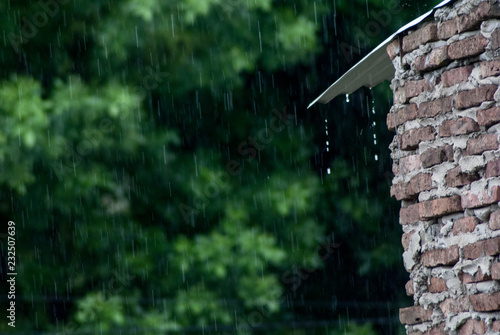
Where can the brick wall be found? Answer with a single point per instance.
(446, 156)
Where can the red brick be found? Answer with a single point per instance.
(475, 97)
(493, 168)
(405, 239)
(404, 114)
(494, 222)
(409, 288)
(461, 126)
(437, 330)
(411, 138)
(435, 156)
(467, 47)
(455, 306)
(436, 257)
(393, 49)
(436, 107)
(400, 96)
(495, 326)
(470, 199)
(410, 163)
(436, 58)
(481, 143)
(495, 271)
(487, 10)
(456, 76)
(447, 29)
(439, 207)
(419, 37)
(488, 117)
(413, 315)
(489, 247)
(490, 69)
(409, 215)
(456, 178)
(495, 39)
(465, 225)
(472, 327)
(437, 285)
(485, 302)
(419, 183)
(479, 276)
(415, 87)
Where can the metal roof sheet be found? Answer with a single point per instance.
(373, 69)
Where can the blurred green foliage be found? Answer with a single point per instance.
(155, 187)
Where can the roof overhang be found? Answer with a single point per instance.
(373, 69)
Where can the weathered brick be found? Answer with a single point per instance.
(405, 239)
(461, 126)
(471, 199)
(493, 168)
(419, 183)
(409, 288)
(400, 96)
(409, 215)
(465, 225)
(447, 29)
(439, 207)
(495, 39)
(456, 178)
(488, 9)
(419, 37)
(495, 326)
(495, 271)
(437, 330)
(489, 247)
(473, 327)
(413, 315)
(456, 76)
(408, 164)
(435, 156)
(490, 69)
(415, 87)
(485, 302)
(481, 143)
(437, 285)
(436, 107)
(436, 257)
(455, 306)
(467, 47)
(475, 97)
(393, 49)
(411, 138)
(479, 276)
(488, 117)
(436, 58)
(494, 222)
(404, 114)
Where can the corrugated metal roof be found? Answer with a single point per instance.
(373, 69)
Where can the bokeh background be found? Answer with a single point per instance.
(165, 176)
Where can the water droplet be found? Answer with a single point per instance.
(347, 98)
(376, 157)
(328, 170)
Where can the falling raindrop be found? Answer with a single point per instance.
(347, 98)
(376, 157)
(328, 171)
